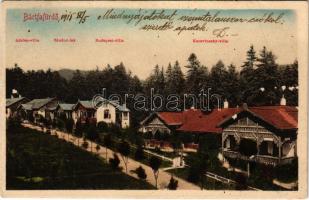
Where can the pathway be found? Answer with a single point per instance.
(163, 179)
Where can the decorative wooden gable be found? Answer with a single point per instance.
(156, 121)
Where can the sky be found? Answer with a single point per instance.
(142, 50)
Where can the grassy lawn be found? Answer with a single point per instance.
(41, 161)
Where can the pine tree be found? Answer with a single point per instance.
(192, 83)
(174, 80)
(251, 58)
(178, 79)
(232, 87)
(218, 81)
(247, 74)
(265, 76)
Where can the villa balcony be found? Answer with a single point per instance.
(263, 159)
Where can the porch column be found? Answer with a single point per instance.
(222, 141)
(280, 149)
(259, 140)
(295, 148)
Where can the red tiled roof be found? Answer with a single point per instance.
(171, 118)
(207, 123)
(194, 120)
(281, 117)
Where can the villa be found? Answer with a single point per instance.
(266, 134)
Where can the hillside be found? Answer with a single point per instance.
(68, 73)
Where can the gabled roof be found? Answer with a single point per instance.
(37, 103)
(85, 104)
(168, 118)
(90, 105)
(206, 122)
(197, 121)
(66, 106)
(12, 101)
(171, 118)
(280, 117)
(174, 118)
(26, 106)
(119, 107)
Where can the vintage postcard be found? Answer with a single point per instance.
(154, 99)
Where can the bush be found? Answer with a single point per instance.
(124, 149)
(114, 162)
(141, 173)
(114, 129)
(241, 182)
(60, 124)
(78, 129)
(92, 133)
(102, 127)
(287, 172)
(173, 184)
(198, 165)
(193, 175)
(155, 164)
(12, 123)
(139, 153)
(69, 123)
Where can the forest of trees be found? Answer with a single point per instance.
(258, 82)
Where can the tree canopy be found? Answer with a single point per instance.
(257, 82)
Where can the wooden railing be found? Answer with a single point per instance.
(264, 159)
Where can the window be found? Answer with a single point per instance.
(106, 114)
(125, 115)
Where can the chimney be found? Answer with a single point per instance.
(225, 104)
(14, 93)
(283, 101)
(245, 106)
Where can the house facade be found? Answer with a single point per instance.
(265, 135)
(12, 105)
(65, 109)
(83, 112)
(163, 122)
(38, 108)
(109, 112)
